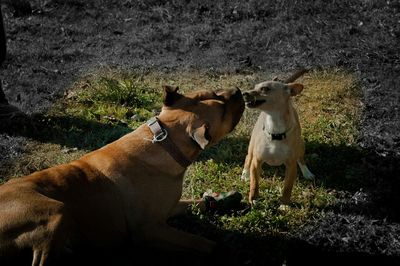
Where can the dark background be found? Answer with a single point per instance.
(55, 42)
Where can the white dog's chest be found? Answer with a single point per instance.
(275, 153)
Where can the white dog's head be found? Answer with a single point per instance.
(271, 94)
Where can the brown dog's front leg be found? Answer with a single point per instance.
(183, 206)
(40, 257)
(255, 175)
(290, 179)
(166, 237)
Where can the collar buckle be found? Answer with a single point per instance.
(159, 133)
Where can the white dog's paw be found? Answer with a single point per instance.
(245, 175)
(253, 203)
(284, 208)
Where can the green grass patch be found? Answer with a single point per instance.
(101, 107)
(119, 99)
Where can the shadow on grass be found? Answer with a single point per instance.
(233, 248)
(68, 131)
(237, 248)
(372, 179)
(339, 167)
(383, 175)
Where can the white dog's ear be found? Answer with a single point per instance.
(295, 88)
(171, 95)
(201, 136)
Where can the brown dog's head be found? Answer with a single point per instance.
(270, 95)
(206, 116)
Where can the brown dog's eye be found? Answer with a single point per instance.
(266, 89)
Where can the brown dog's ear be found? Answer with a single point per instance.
(171, 95)
(295, 88)
(201, 136)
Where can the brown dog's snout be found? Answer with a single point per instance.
(237, 94)
(247, 95)
(234, 94)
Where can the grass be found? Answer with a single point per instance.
(103, 106)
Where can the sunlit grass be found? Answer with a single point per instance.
(103, 106)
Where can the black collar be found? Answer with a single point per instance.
(280, 136)
(277, 136)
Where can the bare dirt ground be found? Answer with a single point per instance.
(61, 41)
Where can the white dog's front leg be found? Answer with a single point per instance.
(245, 175)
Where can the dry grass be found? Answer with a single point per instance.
(331, 97)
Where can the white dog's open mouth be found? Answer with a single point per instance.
(253, 102)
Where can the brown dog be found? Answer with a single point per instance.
(276, 137)
(126, 189)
